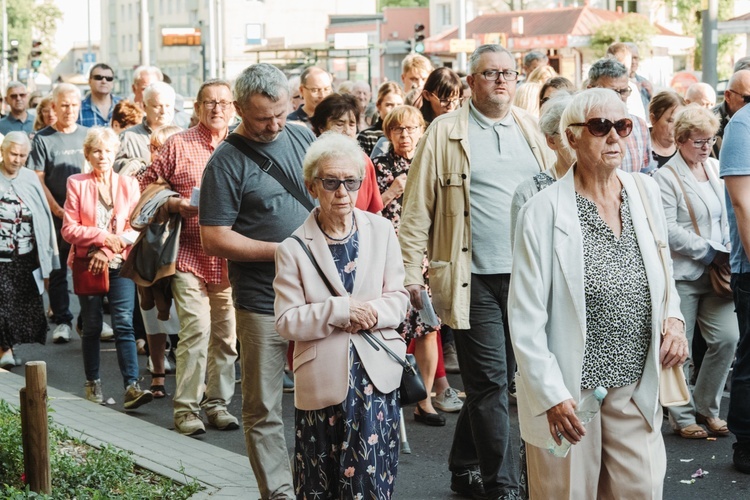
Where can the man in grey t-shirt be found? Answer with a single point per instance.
(56, 154)
(244, 213)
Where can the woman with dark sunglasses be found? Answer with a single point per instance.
(587, 309)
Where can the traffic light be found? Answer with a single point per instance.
(13, 52)
(418, 45)
(35, 55)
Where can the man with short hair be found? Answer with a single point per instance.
(457, 206)
(361, 90)
(315, 85)
(143, 76)
(701, 94)
(200, 286)
(645, 87)
(742, 63)
(158, 102)
(608, 73)
(415, 68)
(532, 60)
(622, 52)
(295, 96)
(97, 106)
(244, 214)
(736, 96)
(16, 97)
(56, 154)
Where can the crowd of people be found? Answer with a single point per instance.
(297, 227)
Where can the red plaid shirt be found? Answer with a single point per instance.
(181, 162)
(637, 147)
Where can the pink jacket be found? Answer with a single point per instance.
(308, 314)
(79, 224)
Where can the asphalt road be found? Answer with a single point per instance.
(423, 474)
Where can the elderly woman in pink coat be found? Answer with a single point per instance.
(346, 395)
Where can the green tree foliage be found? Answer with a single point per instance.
(631, 28)
(689, 15)
(29, 20)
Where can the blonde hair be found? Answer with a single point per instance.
(541, 75)
(416, 62)
(400, 114)
(100, 136)
(694, 118)
(39, 120)
(161, 134)
(527, 97)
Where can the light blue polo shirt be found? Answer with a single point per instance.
(500, 160)
(735, 160)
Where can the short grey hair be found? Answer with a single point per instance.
(582, 104)
(606, 68)
(483, 49)
(13, 85)
(742, 63)
(161, 89)
(551, 112)
(100, 136)
(147, 70)
(532, 56)
(261, 78)
(213, 82)
(65, 89)
(332, 146)
(16, 137)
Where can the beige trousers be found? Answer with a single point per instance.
(263, 355)
(620, 457)
(207, 348)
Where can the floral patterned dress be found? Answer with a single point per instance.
(387, 168)
(348, 450)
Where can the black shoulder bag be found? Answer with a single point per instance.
(268, 166)
(412, 386)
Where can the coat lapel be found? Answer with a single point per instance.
(364, 259)
(319, 249)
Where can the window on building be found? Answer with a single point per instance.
(122, 43)
(627, 5)
(444, 14)
(122, 11)
(130, 11)
(131, 46)
(161, 7)
(169, 7)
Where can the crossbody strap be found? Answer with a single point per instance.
(268, 166)
(687, 200)
(316, 266)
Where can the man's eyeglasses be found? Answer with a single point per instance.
(212, 104)
(699, 144)
(99, 78)
(745, 98)
(324, 90)
(401, 130)
(333, 184)
(491, 75)
(446, 103)
(18, 96)
(599, 127)
(623, 92)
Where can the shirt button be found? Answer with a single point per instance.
(463, 176)
(464, 249)
(466, 213)
(448, 181)
(465, 285)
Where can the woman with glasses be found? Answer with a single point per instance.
(586, 309)
(662, 110)
(441, 94)
(346, 396)
(694, 203)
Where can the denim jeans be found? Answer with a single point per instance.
(739, 395)
(121, 298)
(483, 434)
(59, 298)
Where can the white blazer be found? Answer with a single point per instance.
(547, 308)
(690, 251)
(307, 313)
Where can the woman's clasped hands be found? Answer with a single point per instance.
(362, 316)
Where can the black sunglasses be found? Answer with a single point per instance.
(102, 77)
(745, 98)
(333, 184)
(599, 127)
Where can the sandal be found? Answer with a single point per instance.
(157, 390)
(715, 425)
(692, 431)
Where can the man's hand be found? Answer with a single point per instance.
(415, 295)
(186, 209)
(98, 262)
(362, 316)
(563, 420)
(114, 243)
(674, 344)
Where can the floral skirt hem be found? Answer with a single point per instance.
(22, 319)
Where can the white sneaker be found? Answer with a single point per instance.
(61, 334)
(107, 333)
(448, 401)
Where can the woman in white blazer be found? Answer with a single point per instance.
(692, 177)
(586, 308)
(346, 394)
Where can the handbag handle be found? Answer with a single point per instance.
(687, 201)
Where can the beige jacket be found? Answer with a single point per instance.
(436, 213)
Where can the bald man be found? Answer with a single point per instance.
(701, 94)
(736, 96)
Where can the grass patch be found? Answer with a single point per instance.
(79, 470)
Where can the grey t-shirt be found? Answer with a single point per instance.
(59, 156)
(236, 192)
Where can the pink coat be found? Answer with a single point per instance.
(79, 224)
(308, 314)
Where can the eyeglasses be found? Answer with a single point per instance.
(99, 78)
(623, 92)
(324, 90)
(333, 184)
(745, 98)
(401, 130)
(297, 96)
(446, 103)
(212, 104)
(491, 75)
(18, 96)
(699, 144)
(599, 127)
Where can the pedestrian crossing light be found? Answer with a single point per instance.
(35, 55)
(13, 52)
(418, 45)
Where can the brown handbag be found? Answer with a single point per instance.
(87, 283)
(720, 277)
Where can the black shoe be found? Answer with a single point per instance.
(468, 483)
(742, 457)
(433, 419)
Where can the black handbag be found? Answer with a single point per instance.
(412, 387)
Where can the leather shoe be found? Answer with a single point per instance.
(433, 419)
(741, 457)
(468, 483)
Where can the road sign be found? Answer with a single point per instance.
(180, 36)
(89, 57)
